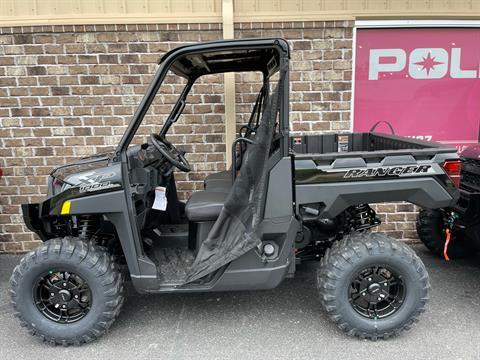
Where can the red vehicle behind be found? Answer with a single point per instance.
(461, 222)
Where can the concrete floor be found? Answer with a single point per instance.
(287, 322)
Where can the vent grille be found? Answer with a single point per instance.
(470, 180)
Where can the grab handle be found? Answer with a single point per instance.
(234, 154)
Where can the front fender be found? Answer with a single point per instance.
(112, 205)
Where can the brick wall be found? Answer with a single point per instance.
(69, 91)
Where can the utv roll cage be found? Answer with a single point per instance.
(268, 56)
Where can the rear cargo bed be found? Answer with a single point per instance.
(334, 171)
(368, 144)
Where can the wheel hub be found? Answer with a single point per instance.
(63, 297)
(374, 289)
(376, 292)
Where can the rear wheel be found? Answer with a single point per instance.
(431, 231)
(67, 291)
(372, 286)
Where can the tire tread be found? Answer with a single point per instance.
(99, 260)
(358, 245)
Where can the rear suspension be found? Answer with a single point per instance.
(319, 235)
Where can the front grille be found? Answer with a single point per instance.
(470, 180)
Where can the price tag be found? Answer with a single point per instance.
(160, 202)
(342, 143)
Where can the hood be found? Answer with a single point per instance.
(91, 174)
(85, 164)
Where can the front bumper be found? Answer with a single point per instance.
(31, 217)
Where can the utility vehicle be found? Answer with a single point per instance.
(459, 223)
(284, 201)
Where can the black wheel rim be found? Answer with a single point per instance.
(62, 296)
(377, 292)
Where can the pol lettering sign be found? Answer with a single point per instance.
(424, 82)
(423, 63)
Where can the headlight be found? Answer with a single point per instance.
(54, 186)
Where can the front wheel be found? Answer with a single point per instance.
(372, 286)
(67, 292)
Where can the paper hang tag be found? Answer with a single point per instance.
(160, 202)
(343, 143)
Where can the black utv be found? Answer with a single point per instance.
(284, 201)
(454, 232)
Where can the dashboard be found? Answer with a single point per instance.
(147, 170)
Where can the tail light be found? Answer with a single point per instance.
(453, 169)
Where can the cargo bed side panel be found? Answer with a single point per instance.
(336, 197)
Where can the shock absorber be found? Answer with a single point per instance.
(87, 225)
(363, 217)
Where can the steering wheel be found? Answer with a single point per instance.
(172, 154)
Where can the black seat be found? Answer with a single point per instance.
(219, 182)
(205, 206)
(222, 181)
(222, 175)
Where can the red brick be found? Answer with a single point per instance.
(95, 78)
